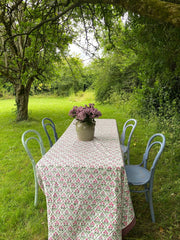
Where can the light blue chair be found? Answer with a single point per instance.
(131, 123)
(48, 122)
(33, 136)
(138, 175)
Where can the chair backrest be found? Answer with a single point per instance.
(129, 123)
(33, 135)
(48, 122)
(150, 144)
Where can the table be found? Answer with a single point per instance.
(86, 187)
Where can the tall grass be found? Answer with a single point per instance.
(19, 219)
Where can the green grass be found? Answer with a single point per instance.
(19, 219)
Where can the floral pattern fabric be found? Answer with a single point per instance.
(86, 187)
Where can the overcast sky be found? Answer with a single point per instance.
(77, 51)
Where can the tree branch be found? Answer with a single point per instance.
(53, 19)
(6, 73)
(69, 66)
(156, 9)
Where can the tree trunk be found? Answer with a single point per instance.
(22, 98)
(162, 11)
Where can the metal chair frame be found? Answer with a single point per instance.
(126, 148)
(139, 175)
(36, 137)
(51, 124)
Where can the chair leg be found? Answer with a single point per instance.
(36, 195)
(128, 160)
(36, 190)
(151, 206)
(125, 156)
(146, 193)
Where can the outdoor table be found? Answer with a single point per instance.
(86, 186)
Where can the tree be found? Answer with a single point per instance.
(158, 53)
(116, 72)
(34, 33)
(28, 45)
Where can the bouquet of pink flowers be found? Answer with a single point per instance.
(85, 114)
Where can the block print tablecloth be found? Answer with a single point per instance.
(86, 187)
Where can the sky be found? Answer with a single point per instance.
(77, 51)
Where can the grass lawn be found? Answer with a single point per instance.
(19, 219)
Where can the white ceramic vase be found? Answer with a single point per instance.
(85, 130)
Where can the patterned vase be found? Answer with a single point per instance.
(85, 130)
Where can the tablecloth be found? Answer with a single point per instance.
(86, 186)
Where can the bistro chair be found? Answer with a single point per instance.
(139, 175)
(48, 122)
(131, 124)
(33, 135)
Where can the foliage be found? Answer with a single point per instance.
(144, 59)
(68, 77)
(158, 51)
(116, 71)
(20, 220)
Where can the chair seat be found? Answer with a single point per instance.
(124, 148)
(137, 175)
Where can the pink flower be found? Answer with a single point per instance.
(81, 116)
(86, 113)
